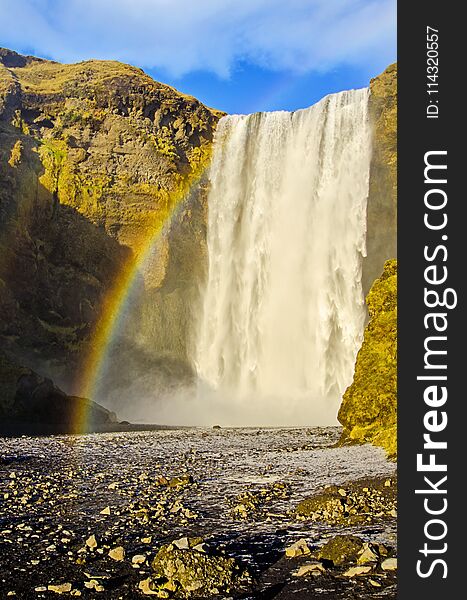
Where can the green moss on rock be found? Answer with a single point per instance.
(340, 549)
(94, 158)
(369, 407)
(190, 573)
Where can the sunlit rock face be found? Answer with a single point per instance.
(93, 159)
(369, 407)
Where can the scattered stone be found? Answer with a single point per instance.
(181, 481)
(184, 543)
(117, 553)
(138, 559)
(148, 587)
(255, 502)
(314, 568)
(355, 571)
(105, 511)
(341, 549)
(389, 564)
(61, 588)
(97, 575)
(162, 480)
(93, 584)
(368, 554)
(298, 548)
(353, 504)
(374, 583)
(91, 542)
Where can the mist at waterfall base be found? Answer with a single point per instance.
(281, 313)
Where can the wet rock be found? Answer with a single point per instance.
(341, 549)
(298, 548)
(255, 503)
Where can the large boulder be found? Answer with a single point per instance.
(185, 571)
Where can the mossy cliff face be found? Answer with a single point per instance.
(93, 159)
(369, 408)
(382, 201)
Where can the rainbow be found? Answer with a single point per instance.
(116, 301)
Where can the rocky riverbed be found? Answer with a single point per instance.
(202, 513)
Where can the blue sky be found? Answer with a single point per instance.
(236, 55)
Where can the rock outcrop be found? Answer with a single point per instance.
(183, 569)
(94, 158)
(32, 404)
(369, 407)
(382, 201)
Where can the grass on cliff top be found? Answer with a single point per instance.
(50, 77)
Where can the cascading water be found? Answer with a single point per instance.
(282, 310)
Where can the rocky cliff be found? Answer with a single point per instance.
(93, 158)
(369, 408)
(382, 201)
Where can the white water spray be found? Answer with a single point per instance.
(282, 310)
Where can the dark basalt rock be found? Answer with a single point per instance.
(30, 403)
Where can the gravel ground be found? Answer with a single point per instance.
(67, 501)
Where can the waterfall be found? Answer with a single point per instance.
(282, 311)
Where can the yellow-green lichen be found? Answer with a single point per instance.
(369, 406)
(15, 157)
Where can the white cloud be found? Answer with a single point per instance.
(181, 36)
